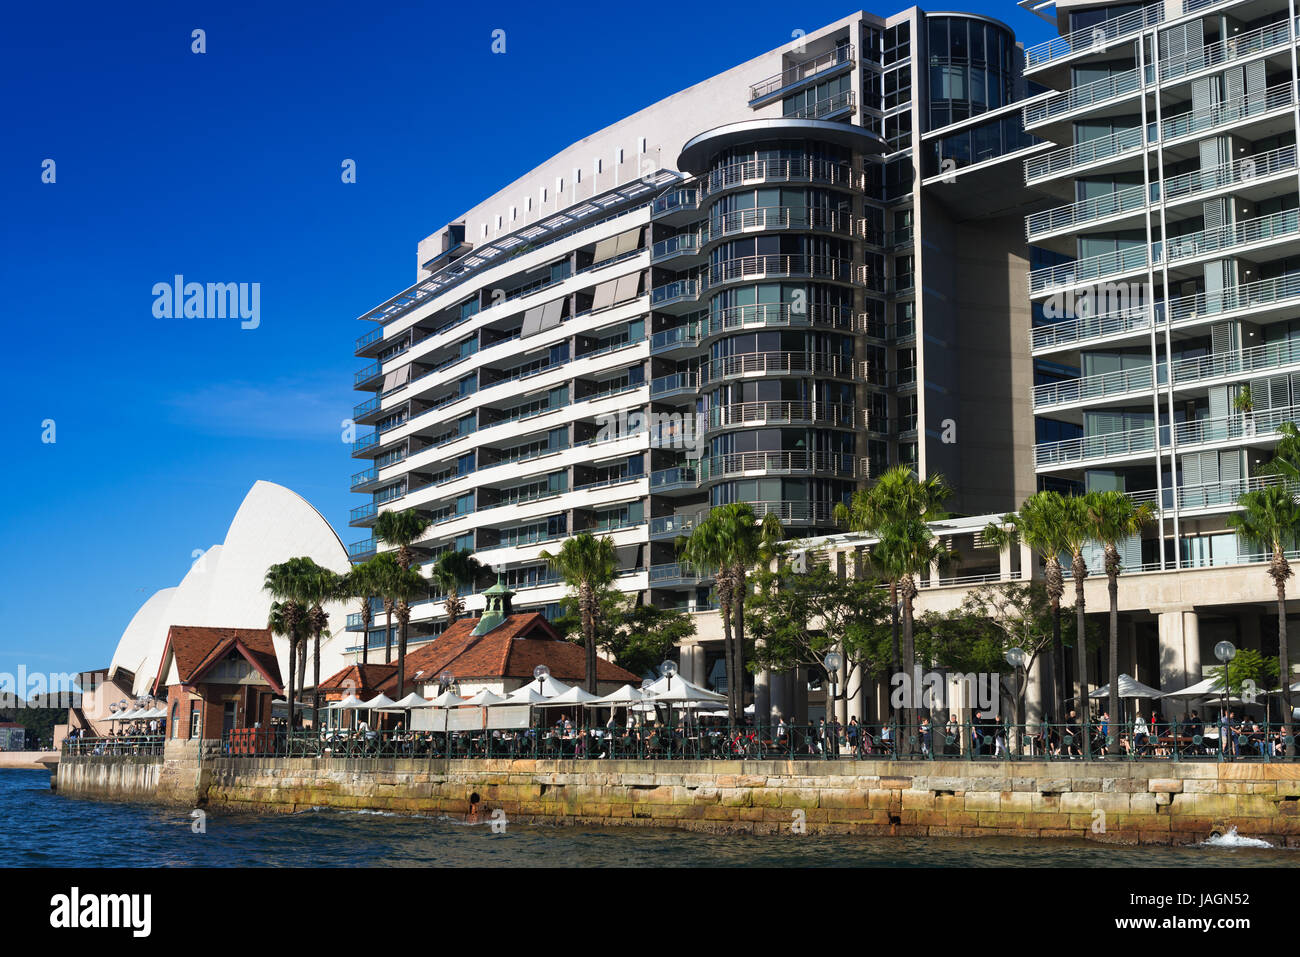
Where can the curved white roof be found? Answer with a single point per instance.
(223, 588)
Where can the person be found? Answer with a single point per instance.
(1225, 734)
(1000, 738)
(951, 732)
(1140, 735)
(851, 734)
(833, 737)
(925, 737)
(1075, 732)
(472, 817)
(887, 737)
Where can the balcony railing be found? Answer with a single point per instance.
(677, 382)
(1279, 225)
(679, 245)
(1252, 295)
(1095, 37)
(833, 414)
(1245, 170)
(675, 201)
(776, 363)
(779, 217)
(674, 572)
(678, 524)
(687, 335)
(677, 476)
(777, 463)
(1084, 95)
(1121, 261)
(1093, 387)
(1229, 111)
(681, 290)
(825, 107)
(1225, 51)
(365, 478)
(799, 72)
(801, 169)
(746, 267)
(778, 314)
(374, 335)
(369, 372)
(1115, 144)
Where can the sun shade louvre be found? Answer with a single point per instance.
(606, 249)
(628, 241)
(627, 287)
(532, 322)
(398, 377)
(603, 295)
(551, 315)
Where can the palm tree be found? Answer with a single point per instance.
(452, 571)
(384, 572)
(406, 585)
(1076, 527)
(1046, 524)
(588, 566)
(1270, 518)
(361, 584)
(728, 543)
(1114, 518)
(287, 583)
(401, 529)
(320, 585)
(296, 634)
(896, 498)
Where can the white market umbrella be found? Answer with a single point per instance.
(1128, 688)
(547, 689)
(528, 696)
(413, 700)
(486, 699)
(574, 696)
(130, 715)
(379, 702)
(622, 698)
(350, 703)
(678, 690)
(1207, 688)
(448, 699)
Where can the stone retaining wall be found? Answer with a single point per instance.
(1118, 801)
(109, 777)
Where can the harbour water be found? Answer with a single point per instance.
(45, 829)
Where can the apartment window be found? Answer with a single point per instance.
(898, 43)
(897, 87)
(898, 131)
(196, 719)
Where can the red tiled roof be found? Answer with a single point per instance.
(196, 648)
(361, 680)
(511, 650)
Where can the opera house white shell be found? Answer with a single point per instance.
(223, 588)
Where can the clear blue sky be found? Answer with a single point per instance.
(226, 167)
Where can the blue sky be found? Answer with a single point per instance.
(225, 167)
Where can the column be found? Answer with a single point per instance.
(1004, 565)
(763, 698)
(778, 692)
(799, 691)
(1029, 569)
(857, 696)
(1038, 684)
(1180, 653)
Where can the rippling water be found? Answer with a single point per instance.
(44, 829)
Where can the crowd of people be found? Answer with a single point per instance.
(133, 737)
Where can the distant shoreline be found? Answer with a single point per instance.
(26, 760)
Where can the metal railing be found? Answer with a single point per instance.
(745, 267)
(824, 107)
(675, 200)
(1059, 161)
(1130, 259)
(1085, 211)
(114, 744)
(1093, 387)
(1262, 229)
(777, 463)
(1229, 111)
(812, 218)
(1084, 95)
(1089, 327)
(1094, 38)
(669, 736)
(780, 413)
(799, 72)
(803, 169)
(677, 291)
(1225, 51)
(1252, 295)
(776, 363)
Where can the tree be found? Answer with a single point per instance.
(587, 564)
(401, 529)
(1043, 523)
(897, 496)
(320, 585)
(1247, 665)
(288, 584)
(384, 573)
(406, 585)
(1286, 455)
(798, 613)
(1270, 519)
(452, 571)
(636, 636)
(1113, 518)
(729, 542)
(362, 583)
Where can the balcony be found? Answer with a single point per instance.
(1117, 323)
(796, 75)
(1113, 146)
(783, 314)
(367, 375)
(674, 203)
(369, 339)
(765, 218)
(1245, 171)
(674, 574)
(1253, 296)
(670, 340)
(799, 266)
(679, 383)
(835, 415)
(1104, 386)
(363, 409)
(1085, 211)
(1237, 47)
(777, 463)
(1276, 97)
(841, 104)
(1094, 38)
(1084, 96)
(683, 244)
(1250, 232)
(360, 551)
(676, 293)
(672, 526)
(776, 363)
(799, 169)
(365, 443)
(674, 479)
(1131, 259)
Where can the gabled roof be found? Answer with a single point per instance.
(196, 649)
(361, 680)
(510, 650)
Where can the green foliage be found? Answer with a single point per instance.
(803, 610)
(638, 637)
(1269, 517)
(1248, 665)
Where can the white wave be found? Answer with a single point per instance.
(1233, 839)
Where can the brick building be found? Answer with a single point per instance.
(217, 679)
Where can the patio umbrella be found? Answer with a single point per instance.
(413, 700)
(485, 699)
(447, 699)
(548, 689)
(526, 695)
(574, 695)
(379, 702)
(350, 703)
(1211, 687)
(677, 690)
(1128, 688)
(623, 697)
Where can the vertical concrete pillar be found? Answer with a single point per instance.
(799, 705)
(763, 698)
(1039, 682)
(778, 691)
(857, 695)
(934, 574)
(1180, 652)
(1004, 565)
(1029, 570)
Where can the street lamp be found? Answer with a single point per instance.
(1225, 651)
(832, 662)
(1019, 660)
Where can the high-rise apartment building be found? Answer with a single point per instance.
(766, 288)
(1167, 276)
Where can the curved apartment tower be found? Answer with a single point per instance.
(1168, 279)
(730, 296)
